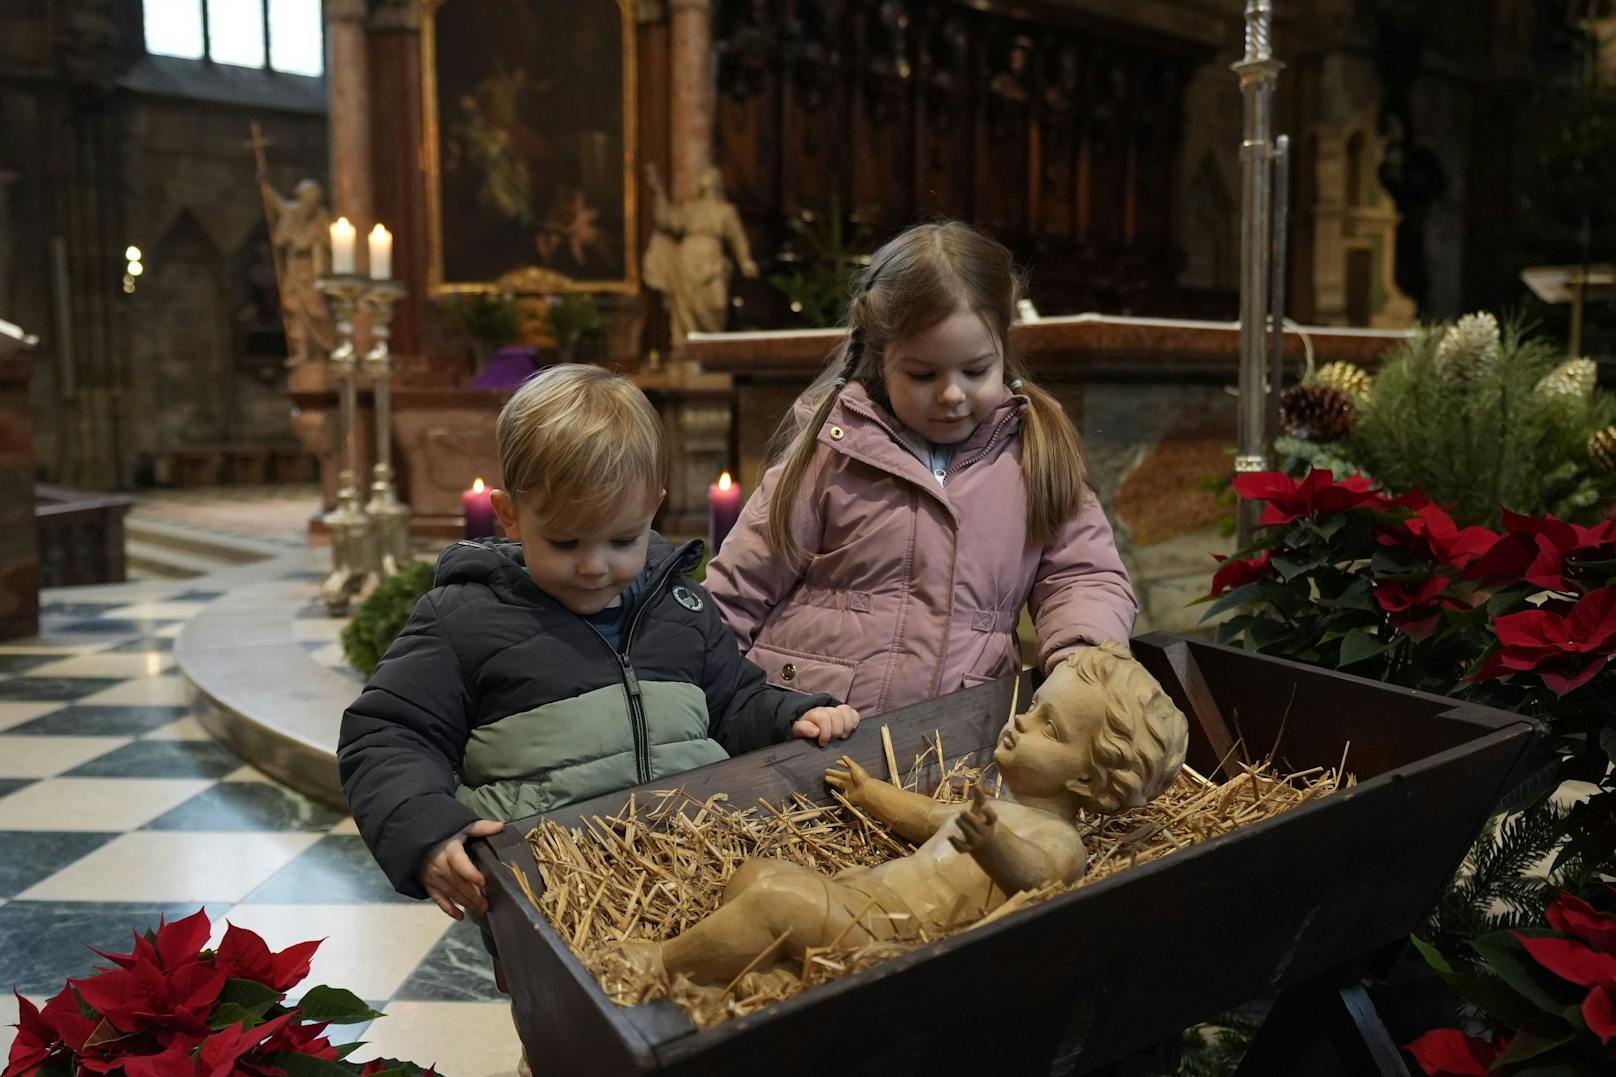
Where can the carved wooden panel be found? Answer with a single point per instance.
(1059, 136)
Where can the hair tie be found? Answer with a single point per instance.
(841, 383)
(1015, 386)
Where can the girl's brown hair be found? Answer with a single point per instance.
(912, 283)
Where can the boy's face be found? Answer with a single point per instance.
(1048, 751)
(583, 568)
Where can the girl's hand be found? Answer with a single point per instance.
(823, 723)
(450, 878)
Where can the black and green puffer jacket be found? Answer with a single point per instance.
(497, 702)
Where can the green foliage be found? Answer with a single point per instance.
(378, 620)
(1215, 1048)
(1484, 441)
(490, 318)
(571, 317)
(1494, 890)
(819, 287)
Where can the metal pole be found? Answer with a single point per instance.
(1257, 72)
(1276, 292)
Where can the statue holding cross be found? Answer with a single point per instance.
(300, 231)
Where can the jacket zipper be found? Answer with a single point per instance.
(631, 681)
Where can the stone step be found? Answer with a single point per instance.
(145, 560)
(221, 549)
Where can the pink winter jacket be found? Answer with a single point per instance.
(914, 590)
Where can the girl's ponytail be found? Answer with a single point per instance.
(799, 454)
(1052, 465)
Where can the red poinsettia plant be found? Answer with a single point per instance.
(1523, 617)
(1552, 991)
(173, 1008)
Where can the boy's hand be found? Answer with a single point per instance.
(450, 878)
(823, 723)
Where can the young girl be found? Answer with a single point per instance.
(927, 491)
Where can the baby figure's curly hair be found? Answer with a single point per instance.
(1140, 748)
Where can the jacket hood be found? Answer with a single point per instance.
(500, 565)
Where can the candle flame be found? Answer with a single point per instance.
(725, 482)
(477, 486)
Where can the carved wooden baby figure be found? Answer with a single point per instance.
(1101, 736)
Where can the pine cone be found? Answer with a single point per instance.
(1602, 447)
(1317, 413)
(1350, 378)
(1469, 346)
(1574, 378)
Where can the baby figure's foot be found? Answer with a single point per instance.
(643, 957)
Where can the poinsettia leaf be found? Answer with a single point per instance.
(336, 1006)
(1494, 996)
(1530, 790)
(345, 1049)
(297, 1065)
(1324, 526)
(1433, 957)
(1525, 1046)
(1268, 633)
(1357, 595)
(250, 995)
(1607, 741)
(1231, 600)
(1562, 1067)
(230, 1013)
(1290, 568)
(1359, 646)
(1506, 958)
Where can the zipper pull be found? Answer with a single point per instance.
(629, 677)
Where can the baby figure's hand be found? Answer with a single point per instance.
(977, 825)
(851, 780)
(450, 878)
(823, 723)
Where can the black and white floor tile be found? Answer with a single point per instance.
(116, 808)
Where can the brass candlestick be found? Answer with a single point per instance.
(353, 544)
(390, 517)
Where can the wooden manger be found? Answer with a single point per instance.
(1068, 985)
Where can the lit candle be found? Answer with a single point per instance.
(723, 509)
(381, 253)
(342, 246)
(478, 505)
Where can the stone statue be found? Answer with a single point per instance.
(1101, 736)
(300, 230)
(686, 257)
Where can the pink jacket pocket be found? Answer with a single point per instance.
(803, 672)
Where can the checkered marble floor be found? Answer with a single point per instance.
(116, 808)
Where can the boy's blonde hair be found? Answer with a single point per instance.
(582, 437)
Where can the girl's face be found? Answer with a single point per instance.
(946, 379)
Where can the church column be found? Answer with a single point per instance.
(400, 182)
(691, 97)
(347, 76)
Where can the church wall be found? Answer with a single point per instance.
(204, 364)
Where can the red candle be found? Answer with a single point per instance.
(723, 509)
(479, 508)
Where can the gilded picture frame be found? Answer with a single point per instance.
(530, 164)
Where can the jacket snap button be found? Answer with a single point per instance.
(836, 433)
(788, 672)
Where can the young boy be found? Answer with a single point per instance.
(571, 662)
